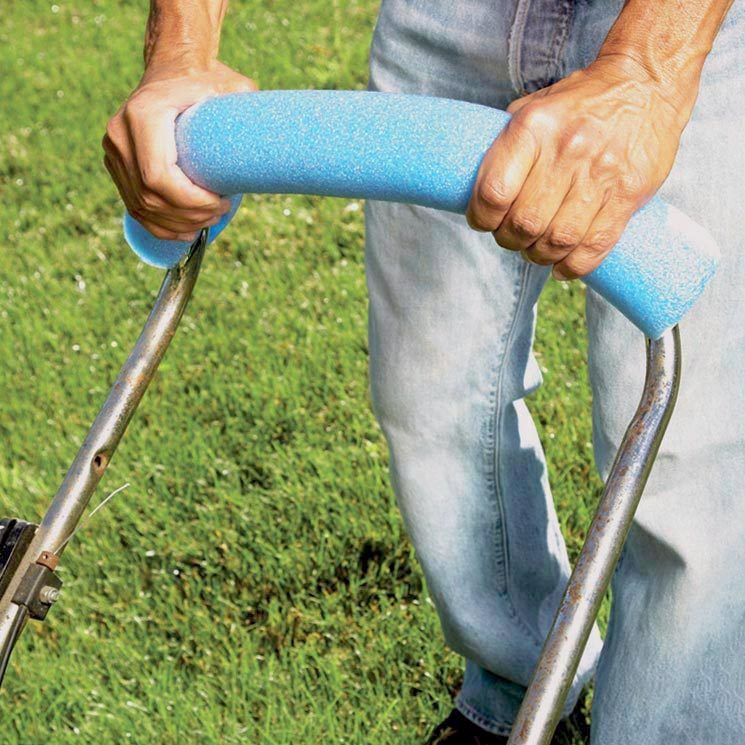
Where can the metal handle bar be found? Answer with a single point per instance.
(94, 456)
(553, 675)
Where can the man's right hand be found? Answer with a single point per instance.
(140, 149)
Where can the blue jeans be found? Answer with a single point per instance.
(451, 327)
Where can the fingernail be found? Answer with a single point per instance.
(558, 274)
(188, 237)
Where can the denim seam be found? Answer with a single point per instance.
(499, 461)
(556, 46)
(490, 445)
(487, 723)
(494, 474)
(558, 43)
(514, 46)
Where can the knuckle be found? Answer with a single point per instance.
(160, 232)
(205, 204)
(134, 111)
(630, 185)
(600, 242)
(577, 264)
(150, 202)
(563, 238)
(476, 221)
(247, 84)
(573, 143)
(506, 242)
(609, 160)
(113, 132)
(536, 256)
(537, 117)
(494, 194)
(152, 177)
(526, 224)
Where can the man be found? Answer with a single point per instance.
(611, 102)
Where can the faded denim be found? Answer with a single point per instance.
(451, 327)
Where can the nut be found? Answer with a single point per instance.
(48, 595)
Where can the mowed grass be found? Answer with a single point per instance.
(254, 583)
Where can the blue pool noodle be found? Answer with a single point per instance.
(414, 149)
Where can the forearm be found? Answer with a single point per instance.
(184, 32)
(669, 40)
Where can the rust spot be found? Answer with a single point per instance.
(100, 461)
(48, 560)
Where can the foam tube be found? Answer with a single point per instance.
(414, 149)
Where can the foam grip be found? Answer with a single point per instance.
(414, 149)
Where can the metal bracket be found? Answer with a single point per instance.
(38, 591)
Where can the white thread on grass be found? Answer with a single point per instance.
(88, 519)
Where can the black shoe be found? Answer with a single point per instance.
(458, 730)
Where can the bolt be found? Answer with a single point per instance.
(48, 595)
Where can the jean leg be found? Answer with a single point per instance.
(451, 327)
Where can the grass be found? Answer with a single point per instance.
(254, 583)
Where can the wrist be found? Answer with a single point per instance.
(674, 69)
(666, 43)
(185, 37)
(170, 65)
(660, 85)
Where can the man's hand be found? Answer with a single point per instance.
(140, 149)
(576, 160)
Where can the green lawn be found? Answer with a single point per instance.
(254, 583)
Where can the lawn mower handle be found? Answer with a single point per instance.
(414, 149)
(553, 676)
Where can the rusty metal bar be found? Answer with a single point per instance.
(545, 698)
(72, 498)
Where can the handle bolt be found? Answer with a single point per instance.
(49, 595)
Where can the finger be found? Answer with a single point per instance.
(163, 233)
(240, 84)
(601, 236)
(535, 206)
(154, 145)
(159, 209)
(179, 225)
(176, 226)
(501, 175)
(569, 225)
(120, 176)
(153, 208)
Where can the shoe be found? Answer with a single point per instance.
(459, 730)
